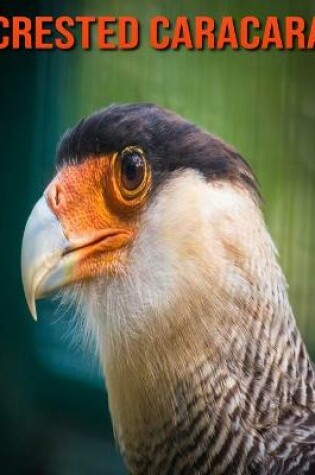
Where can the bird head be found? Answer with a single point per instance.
(146, 211)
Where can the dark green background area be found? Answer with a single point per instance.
(53, 409)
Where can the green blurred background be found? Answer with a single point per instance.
(53, 408)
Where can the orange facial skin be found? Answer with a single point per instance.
(98, 216)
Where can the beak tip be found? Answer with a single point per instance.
(31, 303)
(34, 312)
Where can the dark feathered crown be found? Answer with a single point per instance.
(169, 142)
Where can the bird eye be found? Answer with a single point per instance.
(132, 169)
(131, 177)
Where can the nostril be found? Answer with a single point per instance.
(56, 196)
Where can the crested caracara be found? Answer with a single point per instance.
(152, 228)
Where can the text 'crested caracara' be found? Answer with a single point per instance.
(152, 229)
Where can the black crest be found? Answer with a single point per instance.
(169, 142)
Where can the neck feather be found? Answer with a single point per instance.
(252, 342)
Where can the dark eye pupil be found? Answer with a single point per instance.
(132, 170)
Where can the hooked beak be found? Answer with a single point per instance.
(50, 261)
(43, 270)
